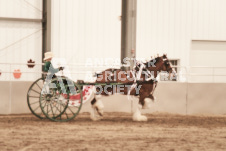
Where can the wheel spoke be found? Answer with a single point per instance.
(58, 106)
(36, 108)
(45, 104)
(52, 109)
(35, 91)
(56, 109)
(65, 111)
(34, 103)
(38, 86)
(47, 109)
(70, 109)
(60, 112)
(66, 114)
(34, 96)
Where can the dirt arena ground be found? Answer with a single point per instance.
(116, 131)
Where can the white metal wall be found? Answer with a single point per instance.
(170, 26)
(209, 20)
(179, 98)
(84, 29)
(21, 8)
(20, 41)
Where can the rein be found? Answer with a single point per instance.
(142, 69)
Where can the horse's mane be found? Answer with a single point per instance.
(155, 60)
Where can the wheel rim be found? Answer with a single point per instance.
(33, 96)
(56, 105)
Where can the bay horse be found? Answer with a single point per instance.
(140, 81)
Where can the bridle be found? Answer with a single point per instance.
(138, 69)
(167, 63)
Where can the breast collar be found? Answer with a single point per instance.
(140, 68)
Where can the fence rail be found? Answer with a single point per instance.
(202, 74)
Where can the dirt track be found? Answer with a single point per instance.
(115, 132)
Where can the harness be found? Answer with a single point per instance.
(137, 76)
(142, 69)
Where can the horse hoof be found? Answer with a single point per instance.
(143, 118)
(99, 111)
(96, 118)
(140, 118)
(93, 118)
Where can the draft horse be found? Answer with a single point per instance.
(140, 81)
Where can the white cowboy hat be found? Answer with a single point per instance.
(48, 55)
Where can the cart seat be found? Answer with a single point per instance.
(80, 81)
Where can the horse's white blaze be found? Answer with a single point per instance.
(137, 115)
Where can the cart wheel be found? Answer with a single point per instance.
(33, 96)
(57, 105)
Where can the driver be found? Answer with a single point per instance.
(48, 67)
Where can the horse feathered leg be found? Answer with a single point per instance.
(98, 105)
(152, 97)
(137, 115)
(97, 108)
(146, 103)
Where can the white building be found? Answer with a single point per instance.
(191, 32)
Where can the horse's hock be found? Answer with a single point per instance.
(172, 97)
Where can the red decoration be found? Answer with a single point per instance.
(17, 74)
(30, 63)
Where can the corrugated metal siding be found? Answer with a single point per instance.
(21, 8)
(209, 20)
(20, 41)
(170, 25)
(86, 29)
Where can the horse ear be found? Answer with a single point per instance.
(164, 56)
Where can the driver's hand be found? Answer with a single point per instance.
(61, 68)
